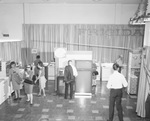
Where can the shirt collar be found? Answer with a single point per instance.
(116, 71)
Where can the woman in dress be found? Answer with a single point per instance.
(42, 79)
(28, 83)
(15, 78)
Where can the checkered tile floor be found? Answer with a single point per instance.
(56, 108)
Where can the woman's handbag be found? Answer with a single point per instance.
(28, 81)
(34, 79)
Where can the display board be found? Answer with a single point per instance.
(106, 71)
(134, 64)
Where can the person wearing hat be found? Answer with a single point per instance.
(28, 83)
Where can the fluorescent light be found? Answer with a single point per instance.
(9, 40)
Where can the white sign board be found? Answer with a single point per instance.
(34, 51)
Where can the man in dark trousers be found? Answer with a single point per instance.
(69, 79)
(116, 83)
(36, 70)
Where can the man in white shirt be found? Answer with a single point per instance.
(116, 83)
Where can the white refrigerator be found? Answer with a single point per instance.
(83, 83)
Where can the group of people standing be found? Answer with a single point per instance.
(116, 83)
(32, 75)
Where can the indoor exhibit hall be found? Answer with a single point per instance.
(74, 60)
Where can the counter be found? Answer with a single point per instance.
(5, 89)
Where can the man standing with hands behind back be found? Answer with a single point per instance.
(69, 78)
(116, 83)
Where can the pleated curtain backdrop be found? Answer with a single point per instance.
(106, 41)
(10, 51)
(144, 82)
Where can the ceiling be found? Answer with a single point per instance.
(74, 1)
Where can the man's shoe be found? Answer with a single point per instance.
(31, 104)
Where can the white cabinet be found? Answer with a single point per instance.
(106, 71)
(4, 89)
(83, 81)
(51, 71)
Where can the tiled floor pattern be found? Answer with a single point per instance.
(56, 108)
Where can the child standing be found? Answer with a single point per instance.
(94, 74)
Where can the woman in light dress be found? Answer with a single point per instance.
(28, 84)
(16, 81)
(42, 79)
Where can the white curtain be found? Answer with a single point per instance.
(105, 41)
(10, 51)
(144, 82)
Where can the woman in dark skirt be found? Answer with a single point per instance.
(28, 83)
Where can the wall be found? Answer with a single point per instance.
(14, 15)
(11, 19)
(79, 13)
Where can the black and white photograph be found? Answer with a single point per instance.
(74, 60)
